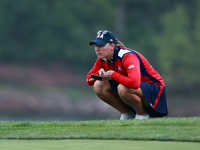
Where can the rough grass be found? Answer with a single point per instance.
(162, 129)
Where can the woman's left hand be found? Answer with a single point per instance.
(107, 75)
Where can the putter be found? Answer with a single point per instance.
(96, 77)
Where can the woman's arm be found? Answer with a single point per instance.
(132, 66)
(94, 70)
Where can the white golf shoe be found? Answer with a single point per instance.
(127, 116)
(140, 117)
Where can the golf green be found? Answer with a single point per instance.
(95, 145)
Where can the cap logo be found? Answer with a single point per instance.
(100, 36)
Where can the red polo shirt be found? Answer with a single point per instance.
(130, 68)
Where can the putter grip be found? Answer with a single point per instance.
(96, 77)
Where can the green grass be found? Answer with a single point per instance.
(151, 134)
(95, 145)
(162, 129)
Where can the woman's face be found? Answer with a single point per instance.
(105, 51)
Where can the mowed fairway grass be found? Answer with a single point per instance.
(95, 145)
(161, 133)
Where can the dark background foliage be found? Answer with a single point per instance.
(45, 32)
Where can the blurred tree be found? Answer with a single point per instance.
(46, 31)
(178, 50)
(40, 31)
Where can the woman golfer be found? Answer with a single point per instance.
(130, 84)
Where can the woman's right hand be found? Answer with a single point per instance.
(101, 72)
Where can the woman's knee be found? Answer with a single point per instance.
(100, 86)
(122, 90)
